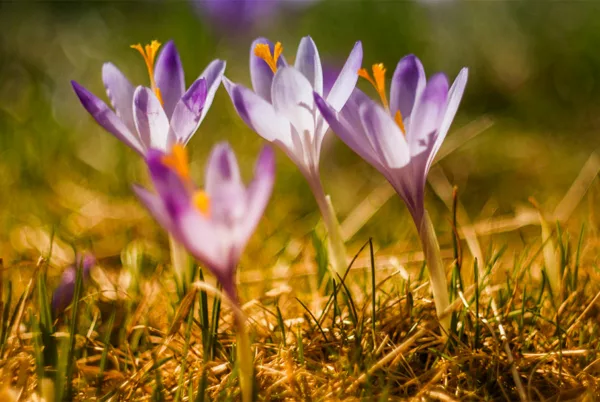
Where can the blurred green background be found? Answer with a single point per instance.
(534, 71)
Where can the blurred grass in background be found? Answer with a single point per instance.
(534, 70)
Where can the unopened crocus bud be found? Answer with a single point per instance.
(63, 294)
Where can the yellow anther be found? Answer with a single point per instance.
(378, 81)
(263, 51)
(202, 202)
(149, 52)
(399, 121)
(178, 161)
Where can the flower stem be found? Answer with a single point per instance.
(437, 272)
(180, 263)
(243, 346)
(337, 249)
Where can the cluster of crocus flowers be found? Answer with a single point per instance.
(64, 292)
(213, 224)
(290, 107)
(160, 115)
(282, 110)
(400, 138)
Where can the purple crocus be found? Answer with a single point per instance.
(401, 138)
(63, 294)
(213, 225)
(157, 116)
(282, 110)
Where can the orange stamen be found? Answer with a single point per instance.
(149, 52)
(178, 161)
(263, 51)
(378, 81)
(399, 121)
(202, 202)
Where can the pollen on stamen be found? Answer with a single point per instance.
(149, 53)
(263, 51)
(377, 81)
(202, 202)
(178, 161)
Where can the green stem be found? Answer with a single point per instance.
(437, 272)
(180, 263)
(243, 347)
(335, 241)
(245, 359)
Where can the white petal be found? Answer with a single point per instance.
(150, 119)
(292, 97)
(308, 63)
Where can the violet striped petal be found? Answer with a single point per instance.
(308, 63)
(188, 111)
(120, 93)
(224, 186)
(352, 135)
(107, 118)
(454, 97)
(258, 192)
(155, 205)
(168, 183)
(150, 119)
(169, 77)
(346, 80)
(260, 116)
(427, 115)
(204, 240)
(385, 136)
(213, 74)
(407, 85)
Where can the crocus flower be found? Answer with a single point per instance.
(282, 110)
(400, 138)
(157, 116)
(63, 294)
(214, 225)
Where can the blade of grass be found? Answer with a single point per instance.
(73, 333)
(106, 341)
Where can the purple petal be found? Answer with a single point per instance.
(407, 85)
(353, 134)
(308, 63)
(260, 73)
(107, 118)
(259, 192)
(260, 116)
(150, 119)
(224, 186)
(292, 97)
(169, 185)
(64, 292)
(155, 206)
(428, 114)
(205, 241)
(187, 114)
(346, 81)
(120, 93)
(169, 77)
(454, 97)
(213, 75)
(384, 135)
